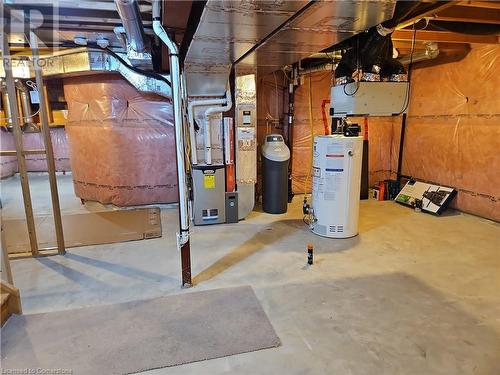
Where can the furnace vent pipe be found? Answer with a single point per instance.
(320, 68)
(131, 18)
(183, 235)
(208, 113)
(5, 103)
(431, 52)
(192, 135)
(27, 116)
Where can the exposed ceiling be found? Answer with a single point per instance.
(269, 34)
(453, 24)
(60, 21)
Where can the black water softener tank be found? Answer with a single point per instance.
(275, 159)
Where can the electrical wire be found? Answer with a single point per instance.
(137, 70)
(122, 61)
(306, 222)
(277, 98)
(358, 84)
(286, 75)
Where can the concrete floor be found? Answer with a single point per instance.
(412, 294)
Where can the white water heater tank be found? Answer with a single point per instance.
(336, 185)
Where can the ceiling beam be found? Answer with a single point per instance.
(406, 45)
(442, 5)
(444, 36)
(469, 14)
(481, 4)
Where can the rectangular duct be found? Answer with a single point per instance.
(227, 30)
(320, 26)
(269, 35)
(81, 61)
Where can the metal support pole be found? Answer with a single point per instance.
(401, 147)
(183, 235)
(49, 151)
(289, 135)
(21, 161)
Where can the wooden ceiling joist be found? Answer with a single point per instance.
(431, 12)
(444, 36)
(495, 4)
(469, 14)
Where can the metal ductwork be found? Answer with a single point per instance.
(371, 52)
(26, 119)
(79, 61)
(431, 52)
(132, 23)
(137, 44)
(267, 35)
(5, 102)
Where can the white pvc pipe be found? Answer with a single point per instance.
(209, 112)
(192, 135)
(178, 123)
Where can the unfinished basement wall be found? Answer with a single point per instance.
(453, 129)
(122, 142)
(452, 135)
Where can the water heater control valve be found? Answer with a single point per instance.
(305, 206)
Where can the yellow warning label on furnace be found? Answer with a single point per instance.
(209, 181)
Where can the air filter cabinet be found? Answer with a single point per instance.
(336, 185)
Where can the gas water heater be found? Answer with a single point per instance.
(336, 185)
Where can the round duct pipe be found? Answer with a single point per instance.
(131, 18)
(431, 52)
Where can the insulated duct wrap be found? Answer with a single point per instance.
(122, 142)
(8, 164)
(38, 163)
(34, 141)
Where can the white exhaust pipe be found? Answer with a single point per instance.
(192, 135)
(208, 113)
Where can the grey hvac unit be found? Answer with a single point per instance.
(368, 98)
(209, 194)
